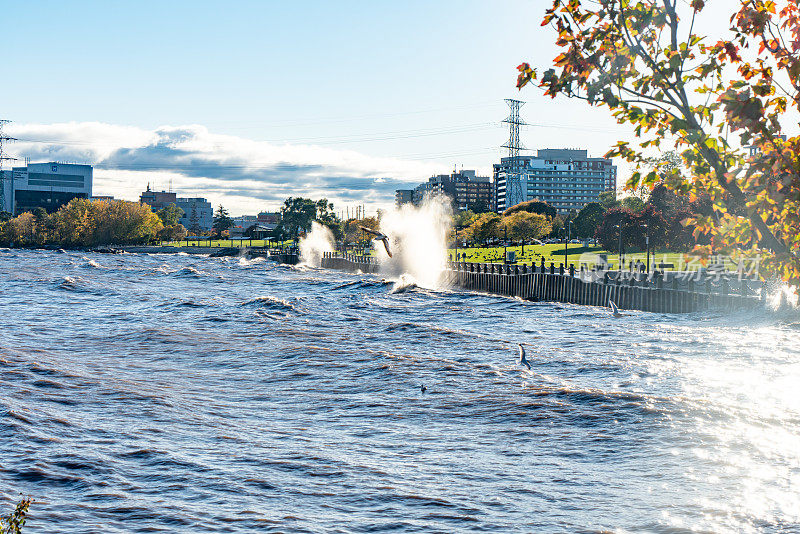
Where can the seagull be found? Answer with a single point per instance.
(615, 310)
(522, 359)
(379, 237)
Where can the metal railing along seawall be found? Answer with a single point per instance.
(629, 290)
(345, 261)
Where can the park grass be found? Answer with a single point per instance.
(533, 253)
(227, 243)
(578, 253)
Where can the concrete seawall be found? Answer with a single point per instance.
(628, 290)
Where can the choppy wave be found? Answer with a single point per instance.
(157, 393)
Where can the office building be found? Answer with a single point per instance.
(158, 199)
(196, 208)
(567, 179)
(44, 185)
(200, 207)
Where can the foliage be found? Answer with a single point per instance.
(297, 214)
(524, 226)
(632, 203)
(532, 206)
(327, 217)
(635, 226)
(643, 62)
(463, 218)
(170, 215)
(588, 220)
(352, 234)
(82, 222)
(175, 232)
(14, 521)
(557, 226)
(194, 221)
(485, 226)
(608, 200)
(222, 221)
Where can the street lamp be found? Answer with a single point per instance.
(619, 248)
(647, 246)
(567, 234)
(505, 244)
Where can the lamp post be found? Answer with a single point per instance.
(567, 235)
(647, 246)
(505, 244)
(619, 248)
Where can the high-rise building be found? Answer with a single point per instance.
(465, 189)
(567, 179)
(44, 185)
(403, 196)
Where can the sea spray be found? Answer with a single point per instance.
(318, 241)
(418, 240)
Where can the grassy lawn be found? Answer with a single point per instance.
(226, 243)
(555, 253)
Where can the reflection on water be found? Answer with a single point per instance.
(187, 394)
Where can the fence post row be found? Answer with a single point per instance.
(627, 290)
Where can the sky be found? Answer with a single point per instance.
(249, 102)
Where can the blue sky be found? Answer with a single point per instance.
(283, 97)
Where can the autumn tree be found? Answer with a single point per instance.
(643, 61)
(532, 206)
(485, 226)
(525, 226)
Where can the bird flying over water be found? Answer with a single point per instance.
(379, 237)
(614, 309)
(522, 359)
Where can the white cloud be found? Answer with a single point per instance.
(245, 175)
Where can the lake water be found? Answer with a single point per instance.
(188, 394)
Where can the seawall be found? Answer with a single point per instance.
(631, 291)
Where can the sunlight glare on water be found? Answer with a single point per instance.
(190, 394)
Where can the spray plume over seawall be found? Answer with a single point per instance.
(318, 241)
(418, 238)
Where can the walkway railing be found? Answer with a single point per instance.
(628, 290)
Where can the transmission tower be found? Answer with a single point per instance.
(514, 193)
(4, 158)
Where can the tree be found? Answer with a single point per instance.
(175, 232)
(608, 200)
(170, 215)
(588, 220)
(326, 216)
(297, 214)
(532, 206)
(83, 223)
(526, 226)
(643, 62)
(194, 221)
(222, 221)
(557, 226)
(632, 203)
(486, 226)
